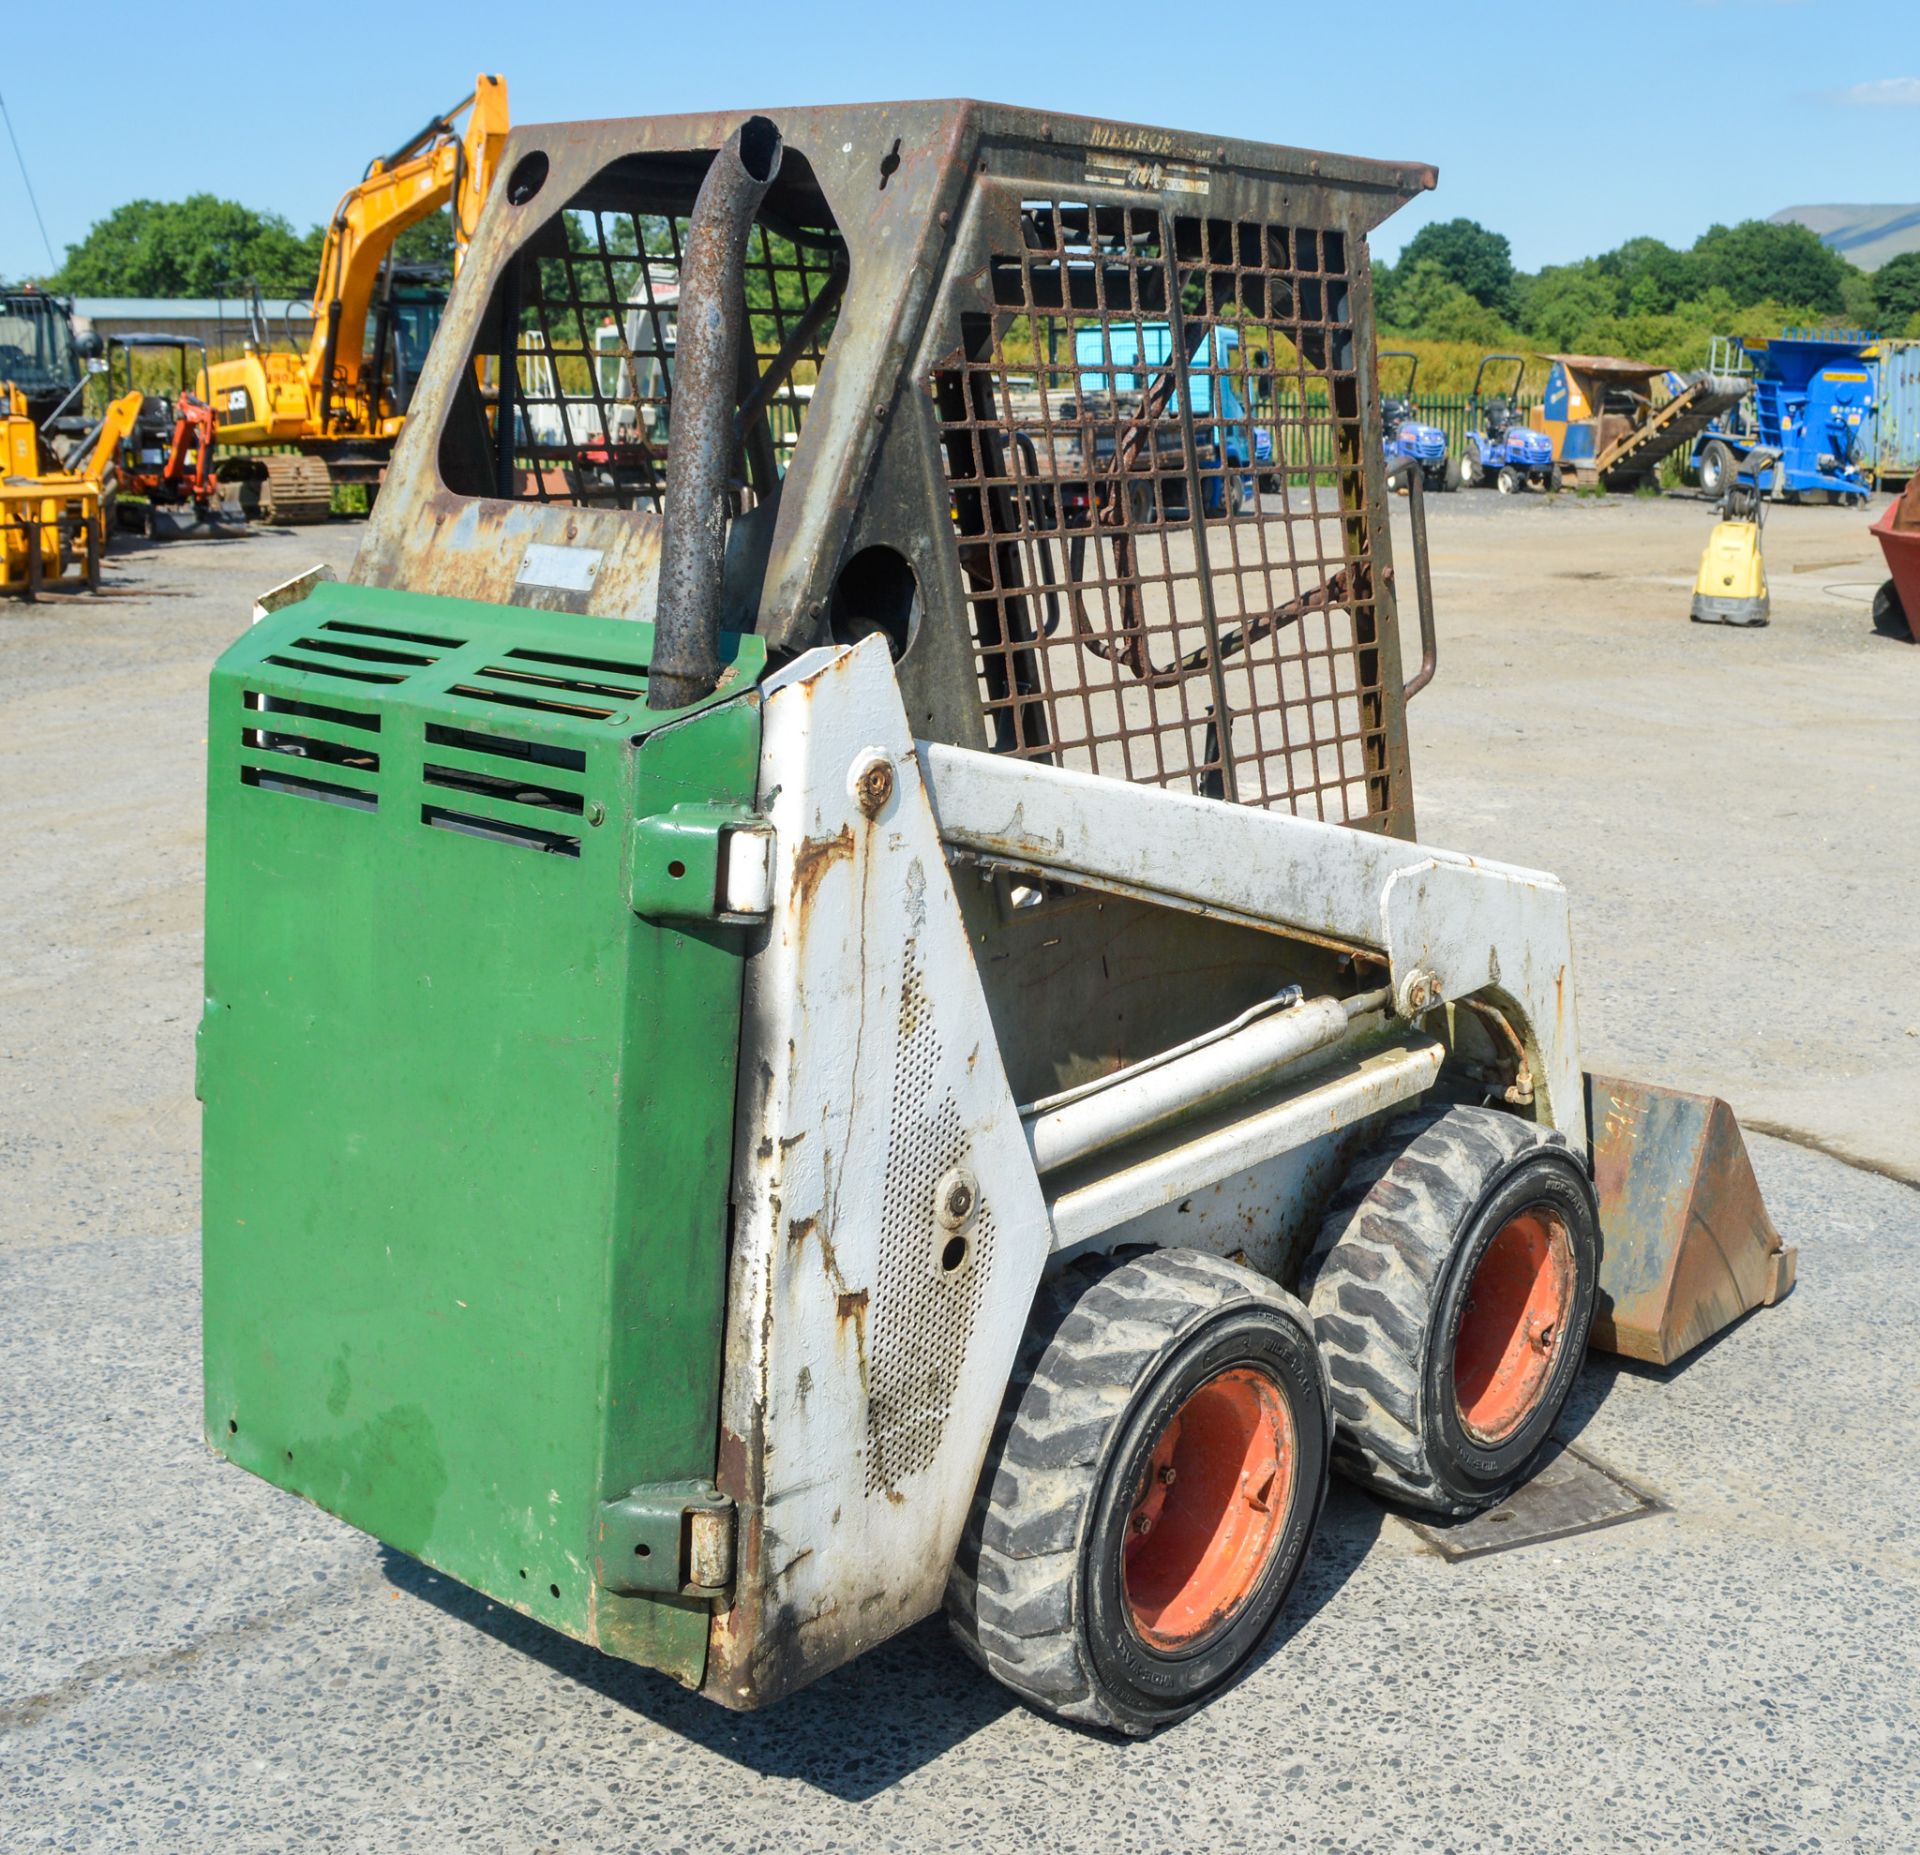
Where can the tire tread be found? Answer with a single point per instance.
(1099, 1327)
(1371, 1276)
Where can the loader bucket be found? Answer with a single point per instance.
(1687, 1246)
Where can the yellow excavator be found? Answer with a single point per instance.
(342, 401)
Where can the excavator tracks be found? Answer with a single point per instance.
(291, 491)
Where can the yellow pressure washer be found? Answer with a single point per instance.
(1731, 586)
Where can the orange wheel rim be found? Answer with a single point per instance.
(1210, 1509)
(1514, 1325)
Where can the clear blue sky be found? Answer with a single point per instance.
(1746, 105)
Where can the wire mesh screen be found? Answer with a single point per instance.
(588, 378)
(1146, 438)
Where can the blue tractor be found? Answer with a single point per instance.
(1500, 449)
(1409, 445)
(1812, 405)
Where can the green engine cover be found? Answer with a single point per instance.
(468, 1116)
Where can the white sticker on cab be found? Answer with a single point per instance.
(565, 569)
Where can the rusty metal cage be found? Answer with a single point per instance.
(1080, 416)
(583, 372)
(1164, 585)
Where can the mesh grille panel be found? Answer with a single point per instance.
(1146, 441)
(590, 378)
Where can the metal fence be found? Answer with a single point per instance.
(1306, 434)
(1305, 431)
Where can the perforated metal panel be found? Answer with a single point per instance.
(930, 1276)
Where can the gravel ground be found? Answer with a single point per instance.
(198, 1662)
(1731, 809)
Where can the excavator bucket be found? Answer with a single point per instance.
(186, 522)
(1687, 1246)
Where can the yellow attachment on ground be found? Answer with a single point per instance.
(1731, 586)
(51, 520)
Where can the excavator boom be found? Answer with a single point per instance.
(330, 399)
(439, 166)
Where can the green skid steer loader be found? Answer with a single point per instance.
(821, 993)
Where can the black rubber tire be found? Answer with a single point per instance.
(1717, 468)
(1889, 615)
(1473, 473)
(1113, 1350)
(1387, 1284)
(1453, 478)
(1510, 482)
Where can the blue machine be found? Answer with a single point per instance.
(1812, 403)
(1408, 444)
(1233, 452)
(1499, 449)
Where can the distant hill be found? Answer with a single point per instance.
(1864, 235)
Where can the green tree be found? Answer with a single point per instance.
(1653, 277)
(188, 248)
(1756, 260)
(430, 241)
(1570, 306)
(1427, 303)
(1858, 303)
(1467, 254)
(1896, 291)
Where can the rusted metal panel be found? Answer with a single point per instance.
(1687, 1246)
(864, 259)
(888, 1226)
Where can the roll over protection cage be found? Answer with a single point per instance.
(962, 240)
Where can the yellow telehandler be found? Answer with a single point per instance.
(332, 412)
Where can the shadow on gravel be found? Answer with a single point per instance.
(1603, 1370)
(852, 1734)
(865, 1727)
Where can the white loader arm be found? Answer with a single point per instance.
(1451, 926)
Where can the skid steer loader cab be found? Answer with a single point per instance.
(800, 1021)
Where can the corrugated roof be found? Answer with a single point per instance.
(160, 310)
(1608, 364)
